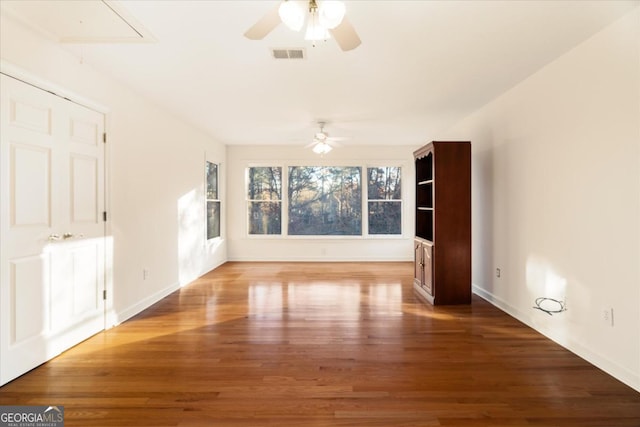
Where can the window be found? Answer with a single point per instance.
(213, 201)
(325, 201)
(384, 200)
(264, 196)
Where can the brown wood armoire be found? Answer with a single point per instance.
(442, 241)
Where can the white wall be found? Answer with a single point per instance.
(267, 248)
(556, 198)
(156, 182)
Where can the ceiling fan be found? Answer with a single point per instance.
(323, 143)
(324, 19)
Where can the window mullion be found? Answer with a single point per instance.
(284, 201)
(365, 201)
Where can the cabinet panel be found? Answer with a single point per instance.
(423, 266)
(417, 263)
(427, 267)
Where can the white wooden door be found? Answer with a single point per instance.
(52, 256)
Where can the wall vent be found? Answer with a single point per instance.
(297, 53)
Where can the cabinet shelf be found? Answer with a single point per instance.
(425, 182)
(420, 208)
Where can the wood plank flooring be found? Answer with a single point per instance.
(322, 344)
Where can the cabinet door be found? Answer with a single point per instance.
(417, 263)
(427, 267)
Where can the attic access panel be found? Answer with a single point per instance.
(73, 21)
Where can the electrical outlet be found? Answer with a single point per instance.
(607, 316)
(145, 274)
(498, 272)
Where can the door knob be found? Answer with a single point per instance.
(71, 236)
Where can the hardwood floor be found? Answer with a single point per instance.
(313, 344)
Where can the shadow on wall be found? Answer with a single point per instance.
(482, 194)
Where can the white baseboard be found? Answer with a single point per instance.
(318, 259)
(615, 370)
(115, 318)
(128, 313)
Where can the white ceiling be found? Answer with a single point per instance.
(422, 65)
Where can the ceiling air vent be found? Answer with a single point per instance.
(297, 53)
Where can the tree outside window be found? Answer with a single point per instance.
(264, 197)
(325, 200)
(384, 200)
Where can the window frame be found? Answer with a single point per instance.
(248, 201)
(213, 200)
(400, 200)
(356, 166)
(284, 214)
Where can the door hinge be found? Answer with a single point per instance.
(104, 295)
(104, 137)
(104, 216)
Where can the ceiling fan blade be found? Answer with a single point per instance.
(264, 25)
(346, 35)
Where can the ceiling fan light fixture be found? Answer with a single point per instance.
(316, 32)
(323, 17)
(321, 148)
(291, 14)
(320, 136)
(331, 13)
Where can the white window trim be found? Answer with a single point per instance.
(284, 217)
(401, 200)
(248, 201)
(207, 200)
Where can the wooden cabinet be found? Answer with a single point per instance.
(442, 245)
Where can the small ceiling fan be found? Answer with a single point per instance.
(323, 143)
(324, 19)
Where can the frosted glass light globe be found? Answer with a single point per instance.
(331, 13)
(291, 14)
